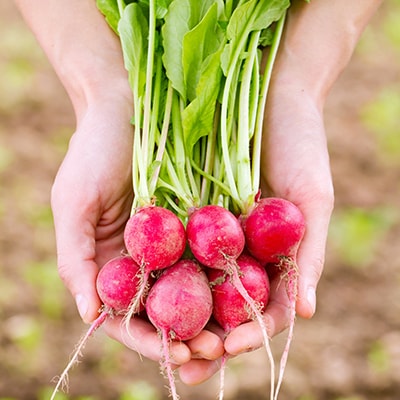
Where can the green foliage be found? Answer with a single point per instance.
(306, 397)
(378, 357)
(140, 390)
(6, 157)
(349, 398)
(25, 331)
(391, 25)
(45, 393)
(381, 117)
(356, 233)
(19, 54)
(43, 277)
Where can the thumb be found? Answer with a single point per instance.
(311, 256)
(76, 250)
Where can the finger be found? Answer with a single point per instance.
(195, 372)
(311, 253)
(75, 238)
(207, 345)
(144, 339)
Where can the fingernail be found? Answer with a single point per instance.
(311, 298)
(82, 305)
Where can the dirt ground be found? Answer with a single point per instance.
(350, 350)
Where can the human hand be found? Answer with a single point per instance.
(91, 201)
(295, 167)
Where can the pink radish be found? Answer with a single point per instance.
(155, 238)
(274, 229)
(116, 284)
(230, 308)
(179, 305)
(215, 236)
(216, 239)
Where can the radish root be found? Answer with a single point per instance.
(62, 380)
(167, 365)
(290, 276)
(233, 270)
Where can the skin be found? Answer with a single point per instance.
(92, 193)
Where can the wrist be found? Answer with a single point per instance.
(317, 44)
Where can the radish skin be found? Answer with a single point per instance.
(116, 285)
(274, 229)
(230, 309)
(179, 305)
(216, 239)
(155, 238)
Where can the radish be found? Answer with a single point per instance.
(216, 239)
(214, 236)
(116, 284)
(179, 305)
(229, 307)
(274, 229)
(155, 238)
(199, 89)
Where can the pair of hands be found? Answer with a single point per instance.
(91, 201)
(92, 193)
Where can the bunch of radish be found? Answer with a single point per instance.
(200, 237)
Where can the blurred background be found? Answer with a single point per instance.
(350, 350)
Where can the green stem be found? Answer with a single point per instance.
(178, 143)
(256, 154)
(162, 139)
(243, 177)
(144, 191)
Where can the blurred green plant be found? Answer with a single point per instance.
(391, 25)
(20, 56)
(306, 397)
(25, 331)
(6, 157)
(381, 117)
(44, 393)
(356, 233)
(44, 278)
(140, 390)
(378, 357)
(350, 398)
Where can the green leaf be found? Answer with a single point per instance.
(198, 117)
(250, 16)
(133, 29)
(182, 16)
(207, 35)
(109, 8)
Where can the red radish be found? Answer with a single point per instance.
(155, 238)
(116, 285)
(179, 305)
(229, 307)
(214, 236)
(274, 229)
(216, 239)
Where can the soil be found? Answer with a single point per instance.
(350, 350)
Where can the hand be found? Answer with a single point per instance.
(91, 201)
(295, 167)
